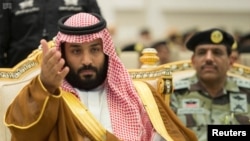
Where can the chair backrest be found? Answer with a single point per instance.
(159, 77)
(12, 80)
(180, 69)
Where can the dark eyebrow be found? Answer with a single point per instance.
(74, 45)
(95, 44)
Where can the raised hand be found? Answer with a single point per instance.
(52, 69)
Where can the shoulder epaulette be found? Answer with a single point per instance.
(243, 83)
(182, 84)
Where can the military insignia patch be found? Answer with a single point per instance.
(182, 84)
(238, 103)
(216, 36)
(191, 106)
(191, 103)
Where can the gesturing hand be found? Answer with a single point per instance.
(52, 69)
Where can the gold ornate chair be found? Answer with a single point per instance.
(13, 79)
(11, 82)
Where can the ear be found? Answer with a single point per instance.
(234, 57)
(232, 60)
(192, 59)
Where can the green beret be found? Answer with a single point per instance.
(211, 36)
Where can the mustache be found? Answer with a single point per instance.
(89, 67)
(209, 64)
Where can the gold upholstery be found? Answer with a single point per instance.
(180, 69)
(240, 71)
(159, 77)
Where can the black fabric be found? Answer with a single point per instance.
(81, 30)
(244, 43)
(204, 37)
(23, 27)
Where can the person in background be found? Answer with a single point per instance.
(244, 49)
(144, 41)
(235, 54)
(25, 22)
(176, 44)
(244, 43)
(211, 97)
(163, 51)
(84, 92)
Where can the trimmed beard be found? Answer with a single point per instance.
(88, 83)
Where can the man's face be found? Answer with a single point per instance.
(163, 53)
(87, 62)
(211, 62)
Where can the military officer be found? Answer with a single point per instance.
(211, 96)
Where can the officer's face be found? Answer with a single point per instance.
(211, 62)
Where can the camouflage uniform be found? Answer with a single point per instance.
(197, 109)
